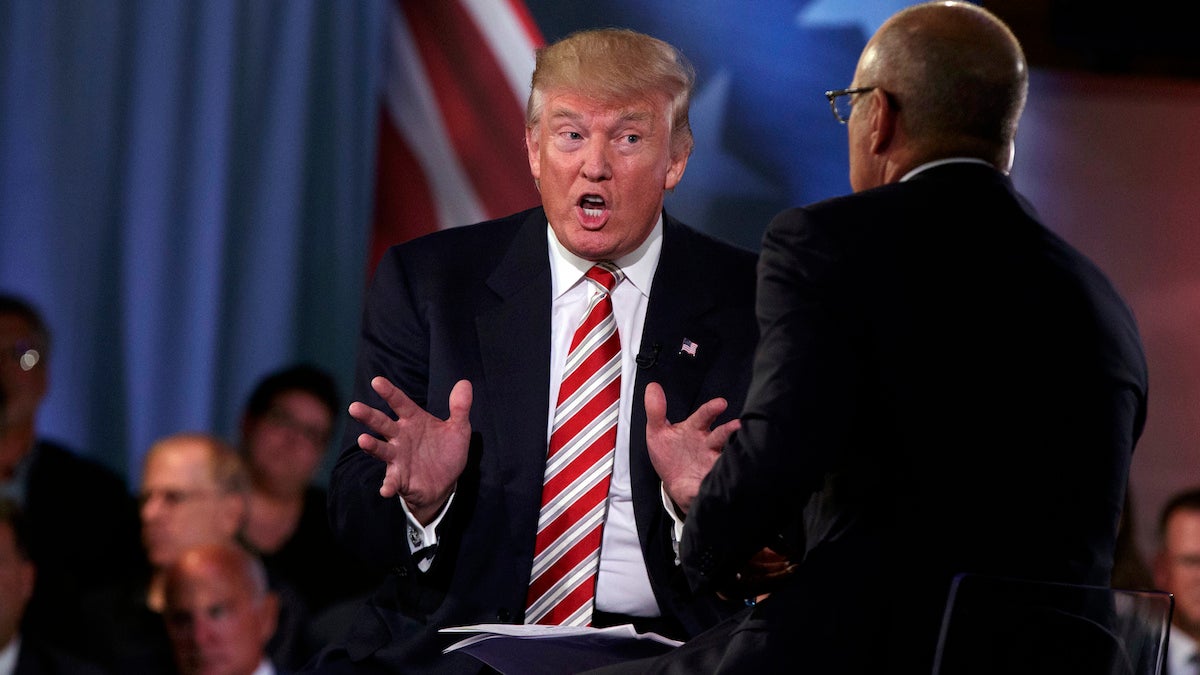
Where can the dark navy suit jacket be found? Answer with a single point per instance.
(474, 303)
(943, 385)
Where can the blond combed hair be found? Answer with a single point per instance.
(617, 65)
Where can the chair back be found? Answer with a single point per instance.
(1001, 626)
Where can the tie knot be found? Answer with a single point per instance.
(606, 274)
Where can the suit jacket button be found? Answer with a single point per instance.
(503, 615)
(400, 571)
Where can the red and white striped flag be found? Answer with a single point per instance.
(451, 140)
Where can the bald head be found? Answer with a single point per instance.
(219, 611)
(956, 76)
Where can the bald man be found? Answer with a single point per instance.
(220, 612)
(194, 490)
(942, 384)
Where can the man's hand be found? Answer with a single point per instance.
(759, 576)
(424, 455)
(683, 453)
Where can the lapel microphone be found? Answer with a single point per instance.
(648, 359)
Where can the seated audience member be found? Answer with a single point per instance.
(220, 612)
(285, 431)
(194, 491)
(82, 521)
(23, 653)
(1177, 571)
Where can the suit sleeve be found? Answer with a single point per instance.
(799, 404)
(394, 344)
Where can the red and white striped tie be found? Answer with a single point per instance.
(579, 466)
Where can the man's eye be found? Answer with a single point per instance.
(632, 138)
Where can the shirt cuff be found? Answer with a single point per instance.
(423, 539)
(676, 520)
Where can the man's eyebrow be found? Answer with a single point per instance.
(566, 113)
(633, 115)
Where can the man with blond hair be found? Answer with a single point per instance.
(489, 434)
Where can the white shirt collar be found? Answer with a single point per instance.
(1180, 648)
(265, 667)
(566, 268)
(939, 162)
(8, 655)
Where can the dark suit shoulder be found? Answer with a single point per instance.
(38, 658)
(453, 262)
(677, 231)
(708, 258)
(466, 242)
(61, 466)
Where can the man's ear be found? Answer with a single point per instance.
(675, 171)
(533, 147)
(268, 619)
(882, 119)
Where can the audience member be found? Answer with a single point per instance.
(82, 520)
(942, 384)
(194, 491)
(220, 612)
(285, 431)
(23, 653)
(1177, 571)
(477, 323)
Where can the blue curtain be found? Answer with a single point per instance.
(185, 193)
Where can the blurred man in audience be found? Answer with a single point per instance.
(194, 491)
(1177, 571)
(21, 652)
(220, 612)
(82, 519)
(285, 431)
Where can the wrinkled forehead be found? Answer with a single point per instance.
(561, 104)
(206, 586)
(202, 600)
(180, 466)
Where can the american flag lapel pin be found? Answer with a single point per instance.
(688, 347)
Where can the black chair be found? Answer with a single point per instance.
(1000, 626)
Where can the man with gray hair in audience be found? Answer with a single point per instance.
(220, 612)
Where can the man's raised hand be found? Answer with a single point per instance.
(424, 455)
(683, 453)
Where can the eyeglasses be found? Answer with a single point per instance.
(172, 498)
(284, 420)
(24, 354)
(841, 101)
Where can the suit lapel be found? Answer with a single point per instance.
(679, 298)
(514, 342)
